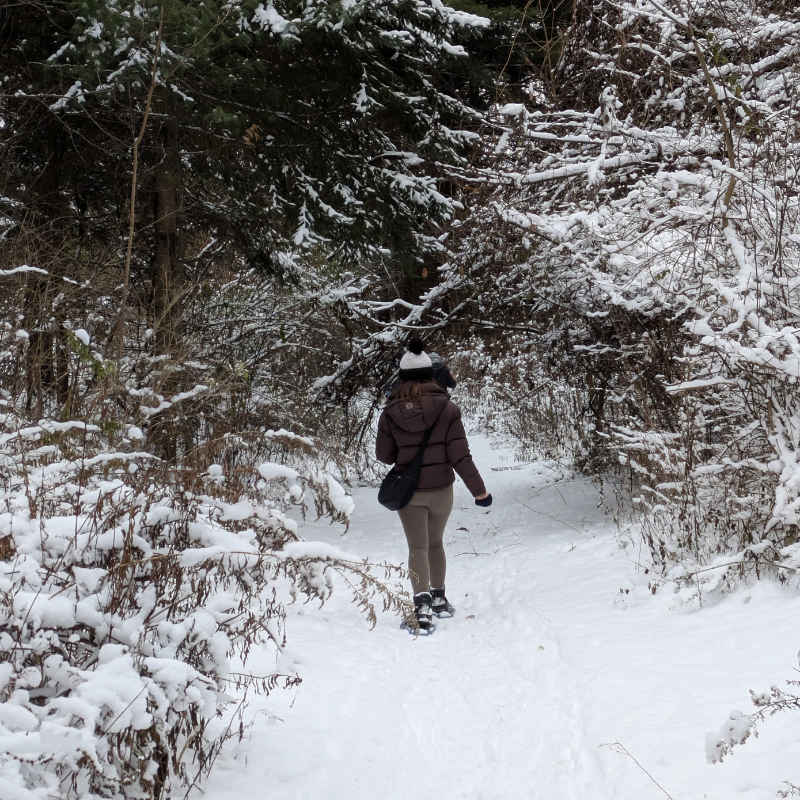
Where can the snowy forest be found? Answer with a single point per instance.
(221, 222)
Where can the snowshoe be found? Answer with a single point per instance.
(423, 616)
(440, 605)
(414, 630)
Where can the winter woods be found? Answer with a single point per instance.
(658, 247)
(219, 222)
(630, 247)
(179, 184)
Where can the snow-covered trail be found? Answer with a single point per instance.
(545, 662)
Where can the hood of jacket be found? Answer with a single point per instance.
(415, 417)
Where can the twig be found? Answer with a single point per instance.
(473, 553)
(555, 519)
(618, 747)
(713, 96)
(117, 335)
(111, 724)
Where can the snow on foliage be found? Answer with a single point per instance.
(735, 730)
(126, 588)
(242, 71)
(637, 239)
(738, 727)
(631, 245)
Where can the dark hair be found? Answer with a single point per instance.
(408, 390)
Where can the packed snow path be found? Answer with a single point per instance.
(547, 660)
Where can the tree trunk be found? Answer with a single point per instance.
(47, 362)
(168, 235)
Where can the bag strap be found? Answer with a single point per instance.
(417, 462)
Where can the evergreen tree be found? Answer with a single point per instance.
(239, 133)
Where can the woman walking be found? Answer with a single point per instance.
(416, 405)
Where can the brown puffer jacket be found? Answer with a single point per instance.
(400, 431)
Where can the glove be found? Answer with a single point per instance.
(485, 503)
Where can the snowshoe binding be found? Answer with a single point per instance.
(422, 623)
(440, 605)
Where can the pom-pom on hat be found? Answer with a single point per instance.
(416, 364)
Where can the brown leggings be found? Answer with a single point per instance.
(423, 521)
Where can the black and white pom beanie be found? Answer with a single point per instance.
(416, 365)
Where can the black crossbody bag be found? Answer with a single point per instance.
(397, 488)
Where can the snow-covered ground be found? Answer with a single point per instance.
(547, 661)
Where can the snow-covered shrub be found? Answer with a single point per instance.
(738, 727)
(718, 252)
(128, 585)
(267, 347)
(735, 730)
(641, 230)
(507, 386)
